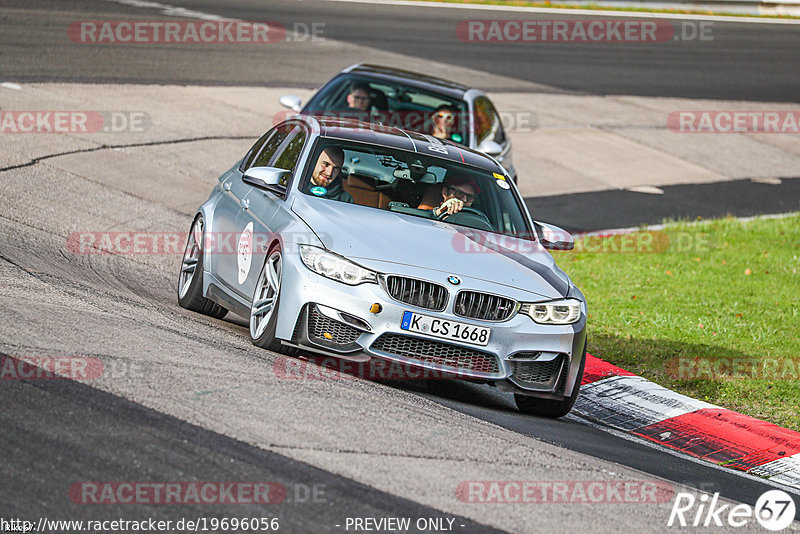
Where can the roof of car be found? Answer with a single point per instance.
(421, 81)
(391, 137)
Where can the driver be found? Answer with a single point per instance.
(325, 181)
(457, 192)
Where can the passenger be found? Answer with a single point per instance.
(457, 192)
(444, 119)
(359, 98)
(325, 180)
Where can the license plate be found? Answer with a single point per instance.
(446, 329)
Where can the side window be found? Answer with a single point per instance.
(247, 161)
(264, 156)
(487, 122)
(287, 156)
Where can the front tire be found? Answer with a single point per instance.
(190, 279)
(266, 300)
(548, 407)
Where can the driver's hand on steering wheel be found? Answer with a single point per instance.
(450, 206)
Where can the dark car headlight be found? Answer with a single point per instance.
(335, 267)
(565, 311)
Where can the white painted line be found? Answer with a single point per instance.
(593, 12)
(631, 402)
(9, 85)
(172, 11)
(647, 189)
(785, 470)
(768, 181)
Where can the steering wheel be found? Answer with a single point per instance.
(467, 216)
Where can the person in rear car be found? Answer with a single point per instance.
(359, 98)
(443, 119)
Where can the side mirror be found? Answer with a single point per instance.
(554, 238)
(489, 147)
(268, 178)
(291, 101)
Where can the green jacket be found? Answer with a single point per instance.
(337, 192)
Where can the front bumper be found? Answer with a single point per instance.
(333, 318)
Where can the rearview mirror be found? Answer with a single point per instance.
(291, 101)
(269, 178)
(489, 147)
(403, 174)
(554, 238)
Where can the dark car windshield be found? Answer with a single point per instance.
(413, 184)
(393, 104)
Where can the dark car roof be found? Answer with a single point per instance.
(389, 136)
(420, 81)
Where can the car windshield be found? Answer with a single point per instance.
(393, 104)
(414, 184)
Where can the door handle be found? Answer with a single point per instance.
(245, 203)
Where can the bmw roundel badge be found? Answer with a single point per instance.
(454, 280)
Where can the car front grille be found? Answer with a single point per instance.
(484, 306)
(319, 325)
(417, 292)
(535, 374)
(434, 352)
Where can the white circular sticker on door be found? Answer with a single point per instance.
(244, 252)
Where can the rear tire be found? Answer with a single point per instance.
(548, 407)
(190, 279)
(266, 301)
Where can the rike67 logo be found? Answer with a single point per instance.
(774, 510)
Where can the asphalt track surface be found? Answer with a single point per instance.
(742, 62)
(95, 436)
(58, 432)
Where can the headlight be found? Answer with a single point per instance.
(335, 267)
(565, 311)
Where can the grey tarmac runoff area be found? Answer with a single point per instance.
(188, 398)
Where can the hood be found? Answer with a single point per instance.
(363, 233)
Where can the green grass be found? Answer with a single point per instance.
(720, 293)
(589, 5)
